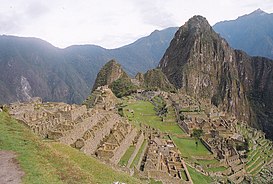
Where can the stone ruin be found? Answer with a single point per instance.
(161, 159)
(220, 134)
(102, 97)
(101, 132)
(98, 131)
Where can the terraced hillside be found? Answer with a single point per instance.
(45, 161)
(161, 111)
(260, 152)
(151, 135)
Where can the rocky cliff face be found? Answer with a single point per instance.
(201, 63)
(256, 75)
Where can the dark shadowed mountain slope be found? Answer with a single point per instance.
(32, 67)
(201, 63)
(252, 33)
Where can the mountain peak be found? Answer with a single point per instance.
(198, 22)
(110, 72)
(258, 12)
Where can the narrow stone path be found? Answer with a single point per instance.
(10, 171)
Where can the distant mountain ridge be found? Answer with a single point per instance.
(33, 67)
(252, 33)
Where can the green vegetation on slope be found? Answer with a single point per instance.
(49, 162)
(156, 79)
(123, 87)
(198, 177)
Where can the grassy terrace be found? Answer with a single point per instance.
(137, 158)
(216, 169)
(125, 158)
(260, 156)
(189, 149)
(198, 177)
(143, 112)
(51, 162)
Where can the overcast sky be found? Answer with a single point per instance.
(111, 23)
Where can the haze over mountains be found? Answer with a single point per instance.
(252, 33)
(33, 67)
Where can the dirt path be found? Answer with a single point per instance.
(10, 172)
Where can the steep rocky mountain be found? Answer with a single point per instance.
(32, 67)
(113, 75)
(252, 33)
(109, 73)
(202, 64)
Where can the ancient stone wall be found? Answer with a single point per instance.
(77, 112)
(233, 159)
(79, 129)
(165, 177)
(99, 133)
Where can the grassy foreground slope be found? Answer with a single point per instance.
(52, 162)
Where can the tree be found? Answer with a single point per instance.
(197, 133)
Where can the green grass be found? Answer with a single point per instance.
(198, 177)
(101, 172)
(125, 158)
(257, 154)
(137, 158)
(207, 162)
(216, 169)
(255, 163)
(152, 181)
(144, 113)
(189, 149)
(257, 170)
(49, 162)
(183, 175)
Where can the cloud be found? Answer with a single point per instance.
(16, 15)
(10, 23)
(154, 13)
(111, 23)
(36, 9)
